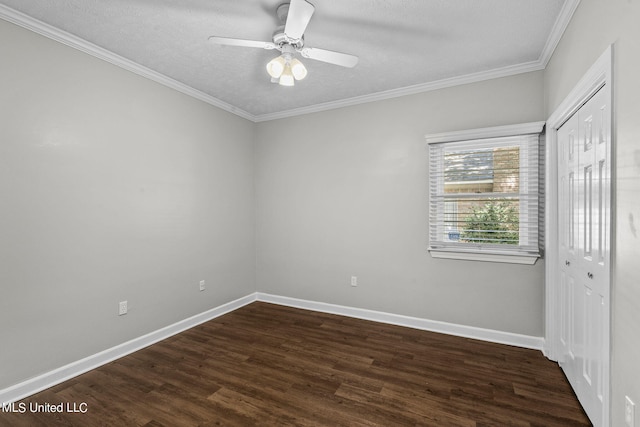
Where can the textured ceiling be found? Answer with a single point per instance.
(400, 43)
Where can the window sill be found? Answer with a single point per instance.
(527, 259)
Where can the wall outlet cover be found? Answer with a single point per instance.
(122, 308)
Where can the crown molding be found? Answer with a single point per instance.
(559, 27)
(75, 42)
(53, 33)
(408, 90)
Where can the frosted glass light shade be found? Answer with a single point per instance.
(275, 67)
(285, 69)
(298, 69)
(286, 79)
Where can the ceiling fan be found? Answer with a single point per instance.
(288, 38)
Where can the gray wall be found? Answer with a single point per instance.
(112, 188)
(344, 192)
(595, 25)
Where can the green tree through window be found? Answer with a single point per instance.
(494, 222)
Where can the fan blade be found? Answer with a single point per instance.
(300, 12)
(337, 58)
(240, 42)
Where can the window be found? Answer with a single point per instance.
(484, 194)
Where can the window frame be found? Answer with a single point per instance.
(438, 248)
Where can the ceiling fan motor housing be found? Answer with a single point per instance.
(280, 39)
(288, 38)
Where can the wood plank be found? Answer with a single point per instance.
(271, 365)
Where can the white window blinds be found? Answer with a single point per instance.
(484, 196)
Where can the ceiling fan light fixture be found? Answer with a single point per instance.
(298, 69)
(276, 67)
(287, 79)
(288, 38)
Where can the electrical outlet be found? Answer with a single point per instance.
(122, 308)
(202, 288)
(629, 409)
(354, 281)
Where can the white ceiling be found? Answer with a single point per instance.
(404, 46)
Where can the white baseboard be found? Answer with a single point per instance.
(49, 379)
(517, 340)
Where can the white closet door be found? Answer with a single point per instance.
(584, 199)
(568, 240)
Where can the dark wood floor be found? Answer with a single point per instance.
(277, 366)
